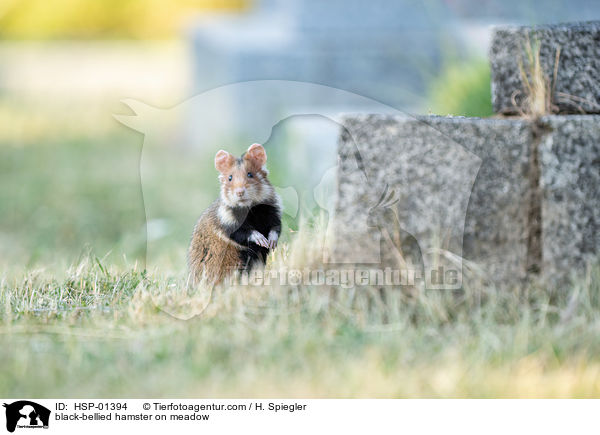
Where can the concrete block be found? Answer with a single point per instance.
(461, 185)
(515, 196)
(569, 155)
(577, 85)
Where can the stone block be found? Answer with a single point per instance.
(569, 156)
(577, 85)
(515, 196)
(460, 182)
(497, 224)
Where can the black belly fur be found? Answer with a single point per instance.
(262, 218)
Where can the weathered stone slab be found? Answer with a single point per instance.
(456, 179)
(534, 206)
(497, 225)
(569, 155)
(577, 85)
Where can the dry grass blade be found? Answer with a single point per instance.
(538, 89)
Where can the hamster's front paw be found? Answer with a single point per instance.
(259, 239)
(273, 237)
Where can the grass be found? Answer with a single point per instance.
(105, 331)
(463, 88)
(101, 325)
(538, 98)
(60, 197)
(56, 198)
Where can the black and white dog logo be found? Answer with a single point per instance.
(26, 414)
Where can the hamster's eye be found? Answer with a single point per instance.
(230, 177)
(250, 175)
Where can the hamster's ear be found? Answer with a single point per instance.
(257, 155)
(224, 161)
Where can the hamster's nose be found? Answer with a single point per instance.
(240, 191)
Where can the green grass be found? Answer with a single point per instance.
(62, 197)
(102, 331)
(463, 88)
(58, 197)
(81, 317)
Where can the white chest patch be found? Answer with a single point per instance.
(226, 216)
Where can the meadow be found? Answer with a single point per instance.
(82, 316)
(107, 331)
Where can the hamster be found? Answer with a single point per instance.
(239, 229)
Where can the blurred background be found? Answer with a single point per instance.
(70, 173)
